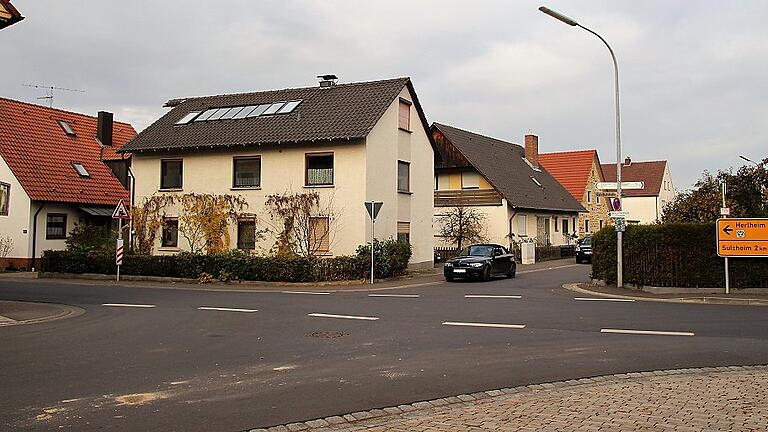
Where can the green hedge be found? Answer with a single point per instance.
(673, 255)
(391, 256)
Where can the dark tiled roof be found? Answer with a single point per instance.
(650, 172)
(502, 164)
(343, 111)
(40, 154)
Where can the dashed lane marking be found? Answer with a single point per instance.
(307, 292)
(647, 332)
(602, 299)
(489, 296)
(224, 309)
(395, 295)
(476, 324)
(128, 305)
(352, 317)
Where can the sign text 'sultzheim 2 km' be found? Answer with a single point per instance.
(742, 237)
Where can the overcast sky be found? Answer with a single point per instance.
(693, 77)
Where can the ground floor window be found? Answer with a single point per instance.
(586, 226)
(565, 226)
(522, 225)
(246, 234)
(170, 233)
(404, 232)
(56, 226)
(319, 241)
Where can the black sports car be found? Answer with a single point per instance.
(481, 261)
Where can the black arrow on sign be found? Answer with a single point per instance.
(727, 229)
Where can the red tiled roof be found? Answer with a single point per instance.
(650, 172)
(570, 168)
(40, 154)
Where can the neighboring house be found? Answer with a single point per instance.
(578, 171)
(520, 200)
(350, 143)
(645, 206)
(57, 168)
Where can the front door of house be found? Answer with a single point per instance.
(542, 231)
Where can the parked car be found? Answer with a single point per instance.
(584, 250)
(481, 261)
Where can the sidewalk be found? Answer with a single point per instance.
(734, 297)
(712, 399)
(416, 279)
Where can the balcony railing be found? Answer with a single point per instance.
(467, 197)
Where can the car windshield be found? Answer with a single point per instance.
(587, 241)
(477, 251)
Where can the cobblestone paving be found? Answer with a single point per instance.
(733, 400)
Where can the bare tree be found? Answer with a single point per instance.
(6, 245)
(305, 224)
(461, 225)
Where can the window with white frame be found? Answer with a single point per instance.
(470, 180)
(522, 225)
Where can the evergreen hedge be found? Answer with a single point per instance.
(673, 255)
(391, 260)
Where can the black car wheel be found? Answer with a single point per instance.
(487, 274)
(578, 260)
(449, 278)
(511, 272)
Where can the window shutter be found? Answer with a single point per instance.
(319, 234)
(404, 115)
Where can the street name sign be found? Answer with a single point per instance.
(624, 185)
(618, 214)
(742, 237)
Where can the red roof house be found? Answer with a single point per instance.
(58, 168)
(645, 205)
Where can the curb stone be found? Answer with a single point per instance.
(348, 420)
(686, 300)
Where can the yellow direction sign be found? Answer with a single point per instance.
(742, 237)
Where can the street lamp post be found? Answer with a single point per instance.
(619, 234)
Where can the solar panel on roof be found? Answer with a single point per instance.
(204, 116)
(244, 112)
(231, 113)
(273, 108)
(289, 106)
(217, 115)
(258, 111)
(187, 118)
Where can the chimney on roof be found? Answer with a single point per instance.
(104, 128)
(627, 161)
(327, 80)
(532, 149)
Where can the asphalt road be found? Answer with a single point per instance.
(173, 366)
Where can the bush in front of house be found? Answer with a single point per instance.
(228, 266)
(390, 256)
(673, 255)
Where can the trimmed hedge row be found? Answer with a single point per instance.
(391, 260)
(673, 255)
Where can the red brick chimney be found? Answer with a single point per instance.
(532, 149)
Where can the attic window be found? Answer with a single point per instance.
(537, 182)
(537, 169)
(67, 128)
(188, 118)
(81, 171)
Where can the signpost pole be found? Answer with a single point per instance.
(119, 243)
(373, 236)
(727, 281)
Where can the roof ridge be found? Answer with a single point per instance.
(569, 151)
(438, 124)
(638, 162)
(350, 84)
(59, 110)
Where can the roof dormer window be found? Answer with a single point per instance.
(67, 128)
(80, 169)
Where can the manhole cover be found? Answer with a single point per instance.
(326, 334)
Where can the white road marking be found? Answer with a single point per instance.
(128, 305)
(395, 295)
(475, 324)
(307, 292)
(602, 299)
(223, 309)
(647, 332)
(493, 296)
(353, 317)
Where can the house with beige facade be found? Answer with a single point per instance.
(57, 169)
(578, 171)
(646, 205)
(521, 201)
(349, 143)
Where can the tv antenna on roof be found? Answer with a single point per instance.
(49, 91)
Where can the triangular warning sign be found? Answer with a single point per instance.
(120, 211)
